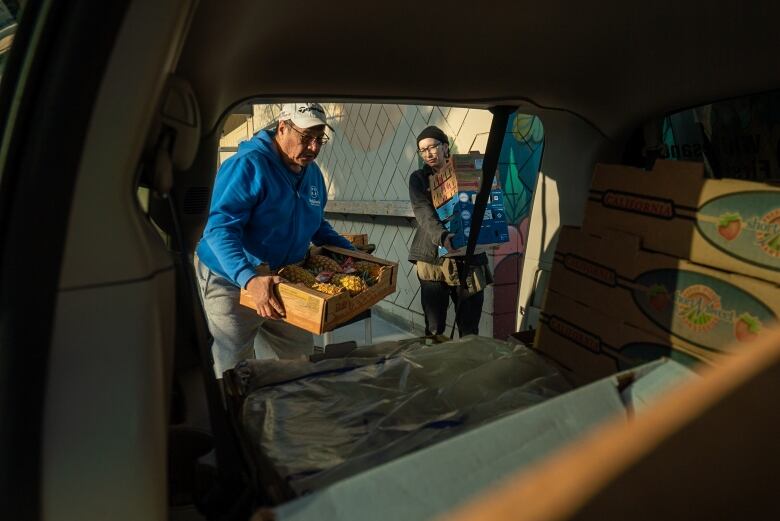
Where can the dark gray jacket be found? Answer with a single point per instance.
(430, 230)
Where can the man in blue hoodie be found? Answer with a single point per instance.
(267, 207)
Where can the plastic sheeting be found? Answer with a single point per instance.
(430, 482)
(321, 422)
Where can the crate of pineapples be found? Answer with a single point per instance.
(331, 286)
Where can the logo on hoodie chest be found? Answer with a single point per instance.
(314, 196)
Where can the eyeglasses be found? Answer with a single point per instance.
(431, 149)
(308, 139)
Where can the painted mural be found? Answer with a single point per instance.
(518, 168)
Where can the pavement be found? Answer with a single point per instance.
(380, 330)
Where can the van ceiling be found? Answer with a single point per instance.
(614, 62)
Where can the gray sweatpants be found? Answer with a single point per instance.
(239, 332)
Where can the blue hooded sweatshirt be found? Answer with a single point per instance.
(262, 212)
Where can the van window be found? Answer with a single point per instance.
(736, 138)
(9, 11)
(367, 164)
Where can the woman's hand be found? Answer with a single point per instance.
(447, 242)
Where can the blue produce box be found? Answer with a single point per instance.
(465, 199)
(457, 215)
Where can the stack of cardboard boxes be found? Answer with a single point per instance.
(666, 263)
(454, 192)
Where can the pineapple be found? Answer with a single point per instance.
(351, 283)
(295, 273)
(369, 267)
(320, 263)
(330, 289)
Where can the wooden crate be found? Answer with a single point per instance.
(358, 239)
(318, 312)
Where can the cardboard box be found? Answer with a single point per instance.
(727, 224)
(358, 239)
(589, 345)
(465, 164)
(470, 161)
(446, 185)
(318, 312)
(700, 307)
(494, 230)
(462, 174)
(466, 200)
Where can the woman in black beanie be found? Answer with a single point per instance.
(439, 282)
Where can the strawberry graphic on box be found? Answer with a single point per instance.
(747, 327)
(730, 225)
(658, 297)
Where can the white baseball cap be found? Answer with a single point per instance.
(304, 115)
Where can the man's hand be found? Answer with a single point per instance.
(261, 288)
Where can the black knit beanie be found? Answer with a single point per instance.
(433, 132)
